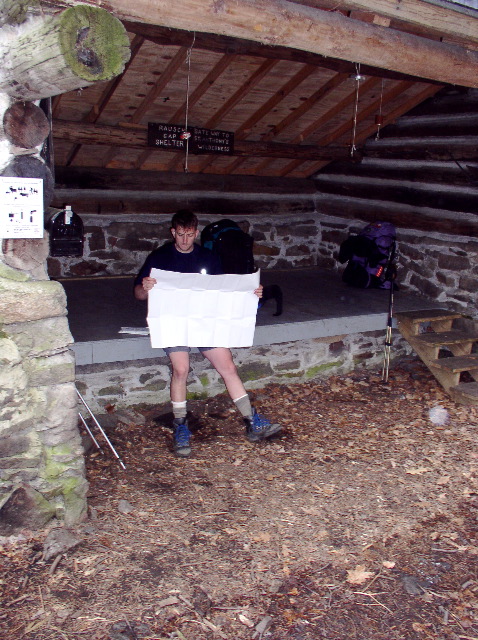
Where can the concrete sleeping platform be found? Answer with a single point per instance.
(326, 327)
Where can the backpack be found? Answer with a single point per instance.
(369, 256)
(231, 244)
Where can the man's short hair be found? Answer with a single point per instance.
(184, 218)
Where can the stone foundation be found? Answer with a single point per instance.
(147, 381)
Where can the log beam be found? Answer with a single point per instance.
(283, 23)
(221, 44)
(15, 11)
(450, 22)
(136, 138)
(91, 182)
(56, 54)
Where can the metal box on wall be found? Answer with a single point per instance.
(66, 233)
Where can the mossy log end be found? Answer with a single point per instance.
(56, 54)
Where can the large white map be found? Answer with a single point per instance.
(200, 310)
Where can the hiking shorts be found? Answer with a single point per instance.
(169, 350)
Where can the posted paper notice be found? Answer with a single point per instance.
(200, 310)
(21, 207)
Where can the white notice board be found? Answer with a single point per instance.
(21, 207)
(201, 310)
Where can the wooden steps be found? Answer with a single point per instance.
(431, 334)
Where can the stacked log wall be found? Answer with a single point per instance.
(421, 174)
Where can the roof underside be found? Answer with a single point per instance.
(290, 111)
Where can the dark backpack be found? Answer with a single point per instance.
(231, 244)
(369, 256)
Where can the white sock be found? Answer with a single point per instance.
(179, 409)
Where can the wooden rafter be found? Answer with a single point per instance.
(97, 109)
(370, 83)
(391, 117)
(153, 93)
(259, 74)
(136, 138)
(179, 117)
(243, 131)
(308, 104)
(362, 115)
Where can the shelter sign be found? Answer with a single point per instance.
(200, 310)
(175, 137)
(21, 207)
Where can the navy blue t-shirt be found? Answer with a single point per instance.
(169, 258)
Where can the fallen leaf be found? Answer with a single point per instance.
(417, 471)
(262, 537)
(245, 621)
(358, 575)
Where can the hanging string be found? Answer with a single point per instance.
(357, 78)
(379, 117)
(186, 134)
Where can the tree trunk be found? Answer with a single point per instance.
(57, 54)
(15, 11)
(25, 125)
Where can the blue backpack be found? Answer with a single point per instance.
(369, 256)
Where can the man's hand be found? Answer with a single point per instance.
(148, 283)
(141, 290)
(259, 291)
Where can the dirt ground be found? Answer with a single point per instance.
(359, 521)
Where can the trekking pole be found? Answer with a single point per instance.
(83, 421)
(388, 338)
(388, 333)
(101, 429)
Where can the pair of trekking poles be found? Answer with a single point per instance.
(390, 275)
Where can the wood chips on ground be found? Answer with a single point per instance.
(358, 521)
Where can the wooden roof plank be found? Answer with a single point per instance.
(281, 93)
(322, 91)
(237, 96)
(427, 92)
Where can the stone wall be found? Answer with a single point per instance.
(442, 268)
(41, 456)
(147, 381)
(119, 246)
(439, 266)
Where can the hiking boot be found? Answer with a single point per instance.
(259, 428)
(182, 437)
